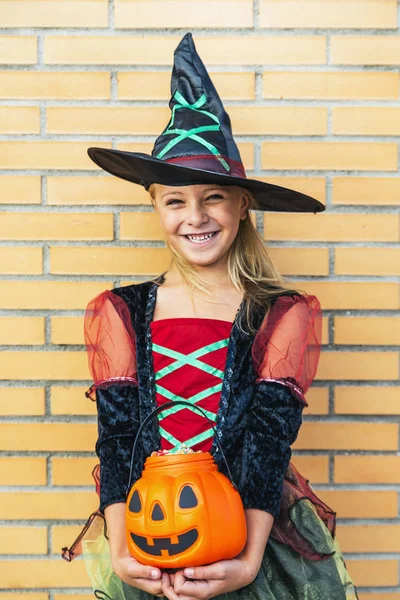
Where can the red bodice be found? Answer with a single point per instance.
(189, 357)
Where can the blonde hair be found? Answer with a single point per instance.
(250, 268)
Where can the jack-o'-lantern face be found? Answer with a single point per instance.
(164, 517)
(169, 545)
(179, 515)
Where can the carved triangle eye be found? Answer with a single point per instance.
(135, 505)
(187, 499)
(157, 513)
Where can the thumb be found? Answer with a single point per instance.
(137, 570)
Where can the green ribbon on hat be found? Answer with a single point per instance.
(193, 134)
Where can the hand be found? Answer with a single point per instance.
(144, 578)
(204, 583)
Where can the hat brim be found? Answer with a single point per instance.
(144, 170)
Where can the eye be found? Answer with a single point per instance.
(173, 201)
(135, 505)
(215, 197)
(187, 499)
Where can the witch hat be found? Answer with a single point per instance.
(197, 146)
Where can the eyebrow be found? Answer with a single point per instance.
(213, 187)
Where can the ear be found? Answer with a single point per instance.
(244, 205)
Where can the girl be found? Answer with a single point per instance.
(221, 329)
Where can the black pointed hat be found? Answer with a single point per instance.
(197, 146)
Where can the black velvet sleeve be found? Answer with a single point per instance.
(273, 423)
(118, 422)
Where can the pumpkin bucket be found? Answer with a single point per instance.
(183, 512)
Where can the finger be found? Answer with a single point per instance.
(168, 589)
(214, 571)
(146, 585)
(139, 571)
(194, 589)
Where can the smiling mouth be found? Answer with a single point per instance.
(201, 238)
(185, 541)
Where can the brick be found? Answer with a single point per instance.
(19, 119)
(48, 155)
(56, 226)
(143, 14)
(100, 260)
(367, 469)
(49, 294)
(73, 471)
(369, 538)
(367, 330)
(40, 13)
(20, 50)
(332, 227)
(47, 505)
(380, 191)
(72, 596)
(63, 535)
(334, 86)
(34, 574)
(358, 365)
(16, 331)
(301, 261)
(363, 120)
(361, 505)
(28, 596)
(71, 401)
(22, 471)
(23, 540)
(374, 573)
(43, 365)
(20, 189)
(347, 436)
(148, 85)
(366, 50)
(361, 156)
(314, 468)
(67, 330)
(43, 437)
(312, 186)
(352, 294)
(379, 596)
(318, 400)
(36, 85)
(367, 400)
(21, 260)
(354, 14)
(18, 401)
(158, 50)
(122, 120)
(98, 191)
(284, 120)
(367, 261)
(140, 226)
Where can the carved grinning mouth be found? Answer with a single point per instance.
(185, 541)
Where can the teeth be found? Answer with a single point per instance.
(200, 238)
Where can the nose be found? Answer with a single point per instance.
(157, 513)
(196, 215)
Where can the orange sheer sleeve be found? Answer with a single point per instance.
(287, 346)
(110, 341)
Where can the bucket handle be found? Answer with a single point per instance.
(160, 409)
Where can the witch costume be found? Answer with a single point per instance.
(251, 385)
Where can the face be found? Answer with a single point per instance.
(200, 221)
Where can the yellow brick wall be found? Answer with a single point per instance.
(313, 90)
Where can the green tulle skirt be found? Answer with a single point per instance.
(284, 575)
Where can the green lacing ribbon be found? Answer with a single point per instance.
(182, 134)
(192, 360)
